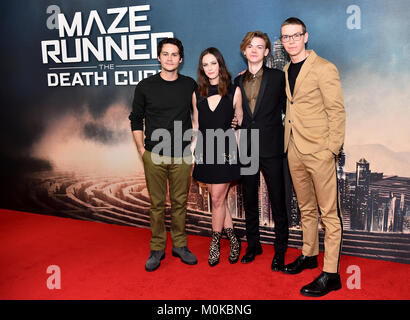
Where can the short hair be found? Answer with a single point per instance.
(293, 20)
(255, 34)
(174, 41)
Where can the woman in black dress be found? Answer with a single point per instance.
(215, 103)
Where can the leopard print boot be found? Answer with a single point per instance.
(235, 245)
(214, 248)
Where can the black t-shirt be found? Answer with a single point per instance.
(164, 105)
(293, 73)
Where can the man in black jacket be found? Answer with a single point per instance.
(263, 96)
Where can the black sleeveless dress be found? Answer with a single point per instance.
(216, 151)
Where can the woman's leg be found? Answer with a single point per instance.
(228, 218)
(235, 243)
(218, 198)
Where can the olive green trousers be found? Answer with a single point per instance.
(160, 171)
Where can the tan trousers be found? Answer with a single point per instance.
(315, 182)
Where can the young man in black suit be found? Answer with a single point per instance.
(263, 96)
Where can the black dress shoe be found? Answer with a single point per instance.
(278, 261)
(250, 254)
(322, 285)
(300, 264)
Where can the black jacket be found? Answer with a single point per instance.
(267, 116)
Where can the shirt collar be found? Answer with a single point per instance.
(250, 76)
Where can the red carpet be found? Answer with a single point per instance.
(102, 261)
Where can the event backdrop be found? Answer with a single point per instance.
(69, 69)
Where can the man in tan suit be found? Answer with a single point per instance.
(314, 135)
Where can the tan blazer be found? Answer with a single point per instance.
(315, 113)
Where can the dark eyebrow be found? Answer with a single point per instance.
(170, 52)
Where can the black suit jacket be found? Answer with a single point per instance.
(267, 116)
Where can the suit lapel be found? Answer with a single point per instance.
(244, 99)
(304, 71)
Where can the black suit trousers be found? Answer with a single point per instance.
(272, 170)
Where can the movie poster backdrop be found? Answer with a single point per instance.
(69, 69)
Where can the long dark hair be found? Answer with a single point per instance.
(224, 75)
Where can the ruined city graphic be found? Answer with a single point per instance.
(375, 208)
